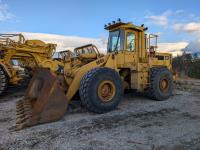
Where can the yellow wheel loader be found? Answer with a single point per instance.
(131, 62)
(27, 53)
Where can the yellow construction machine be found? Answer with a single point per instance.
(100, 80)
(26, 53)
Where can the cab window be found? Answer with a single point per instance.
(114, 41)
(130, 41)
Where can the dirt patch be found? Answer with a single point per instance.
(193, 144)
(138, 123)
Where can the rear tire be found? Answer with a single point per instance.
(101, 90)
(161, 84)
(3, 81)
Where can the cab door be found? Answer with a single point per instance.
(131, 47)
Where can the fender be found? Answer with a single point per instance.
(74, 86)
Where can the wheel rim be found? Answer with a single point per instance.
(106, 91)
(164, 84)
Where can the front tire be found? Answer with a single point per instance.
(101, 90)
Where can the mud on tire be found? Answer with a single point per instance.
(156, 91)
(89, 89)
(3, 80)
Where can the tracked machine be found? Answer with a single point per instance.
(131, 62)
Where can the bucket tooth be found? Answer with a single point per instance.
(19, 105)
(19, 121)
(27, 108)
(27, 104)
(45, 100)
(21, 116)
(20, 102)
(19, 110)
(19, 113)
(22, 120)
(28, 113)
(21, 125)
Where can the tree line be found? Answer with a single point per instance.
(187, 65)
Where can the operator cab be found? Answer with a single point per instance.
(126, 36)
(89, 52)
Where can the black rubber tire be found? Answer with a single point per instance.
(154, 91)
(3, 81)
(89, 85)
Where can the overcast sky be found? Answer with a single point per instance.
(176, 21)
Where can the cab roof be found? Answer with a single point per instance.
(128, 25)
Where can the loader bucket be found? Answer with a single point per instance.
(44, 101)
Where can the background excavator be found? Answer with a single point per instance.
(28, 54)
(100, 80)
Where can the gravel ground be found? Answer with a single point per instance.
(138, 123)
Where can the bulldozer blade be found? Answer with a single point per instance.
(45, 100)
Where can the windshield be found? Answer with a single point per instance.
(86, 50)
(114, 41)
